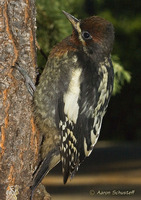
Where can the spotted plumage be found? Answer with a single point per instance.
(73, 94)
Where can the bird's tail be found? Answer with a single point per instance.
(51, 160)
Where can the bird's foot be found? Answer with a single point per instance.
(28, 81)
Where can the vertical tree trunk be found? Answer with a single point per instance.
(19, 140)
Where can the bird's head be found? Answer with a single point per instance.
(94, 34)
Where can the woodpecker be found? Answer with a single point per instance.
(73, 94)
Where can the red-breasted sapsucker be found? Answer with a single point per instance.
(73, 94)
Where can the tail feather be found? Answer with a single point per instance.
(51, 160)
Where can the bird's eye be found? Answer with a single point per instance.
(86, 35)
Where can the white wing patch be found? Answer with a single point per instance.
(87, 153)
(102, 89)
(93, 138)
(71, 107)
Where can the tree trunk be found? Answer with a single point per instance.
(19, 140)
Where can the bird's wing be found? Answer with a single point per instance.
(68, 147)
(76, 123)
(68, 110)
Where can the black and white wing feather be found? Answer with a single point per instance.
(81, 109)
(68, 110)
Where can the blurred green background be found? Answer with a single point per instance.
(123, 118)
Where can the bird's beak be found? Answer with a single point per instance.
(74, 21)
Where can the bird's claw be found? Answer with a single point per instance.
(29, 84)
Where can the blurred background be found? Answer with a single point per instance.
(115, 163)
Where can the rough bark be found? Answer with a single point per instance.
(19, 140)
